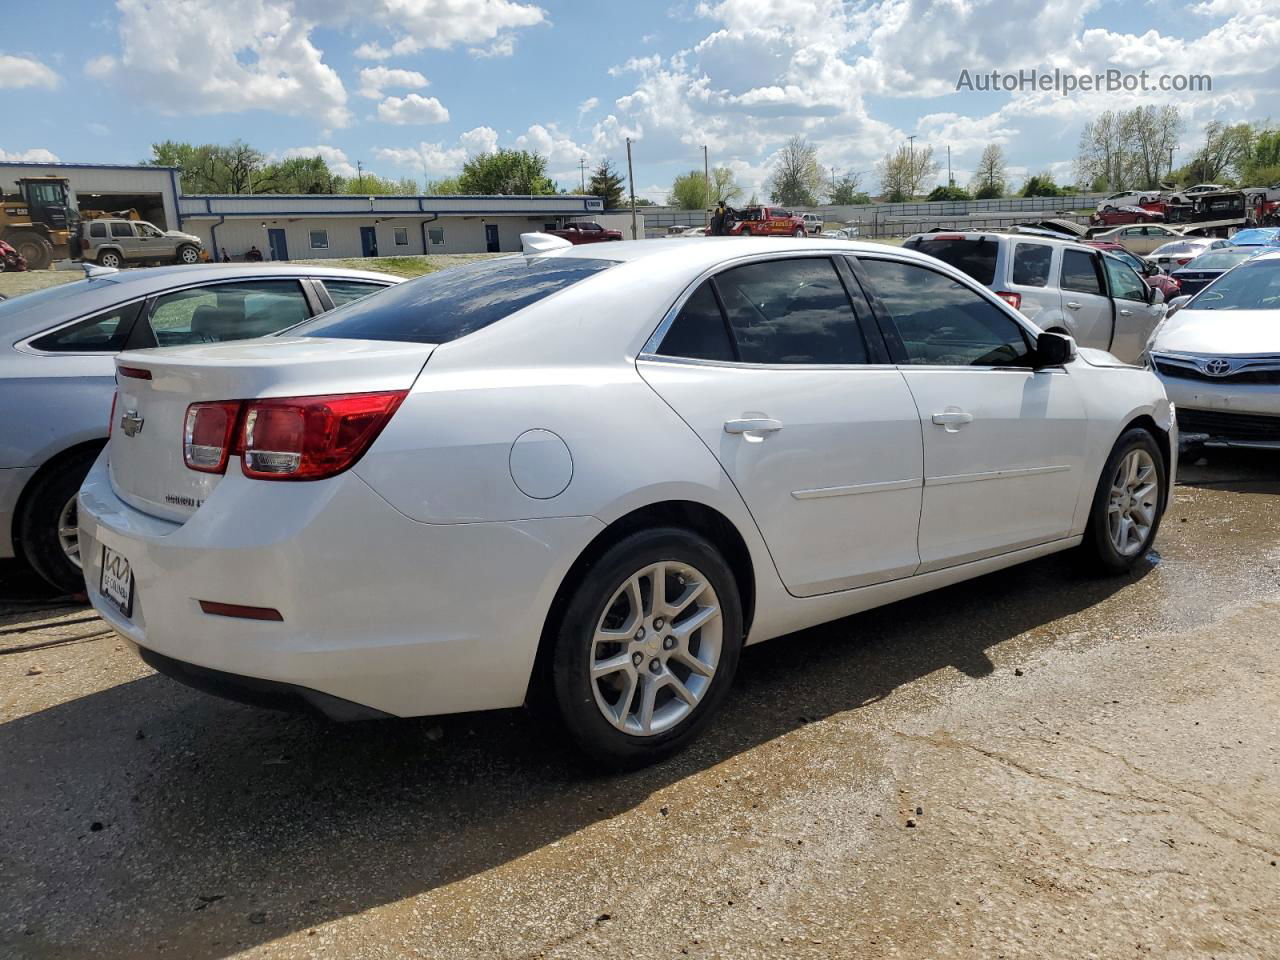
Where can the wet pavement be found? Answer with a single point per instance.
(1033, 764)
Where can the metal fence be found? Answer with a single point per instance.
(881, 219)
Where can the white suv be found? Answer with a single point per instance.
(812, 223)
(1060, 285)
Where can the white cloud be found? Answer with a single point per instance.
(374, 79)
(412, 108)
(479, 140)
(35, 155)
(335, 158)
(218, 56)
(438, 24)
(587, 105)
(16, 72)
(503, 46)
(436, 158)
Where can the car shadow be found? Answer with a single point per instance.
(149, 816)
(25, 600)
(1233, 470)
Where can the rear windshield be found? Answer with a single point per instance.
(1218, 260)
(976, 257)
(450, 304)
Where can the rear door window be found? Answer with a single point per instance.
(452, 303)
(1080, 272)
(122, 229)
(1031, 263)
(976, 256)
(343, 292)
(227, 311)
(791, 311)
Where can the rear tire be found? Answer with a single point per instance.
(746, 232)
(187, 254)
(32, 247)
(43, 526)
(109, 258)
(671, 664)
(1127, 505)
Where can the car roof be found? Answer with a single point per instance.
(701, 253)
(1035, 235)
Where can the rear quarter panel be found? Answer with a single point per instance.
(52, 403)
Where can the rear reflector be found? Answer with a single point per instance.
(239, 611)
(1012, 299)
(208, 433)
(137, 373)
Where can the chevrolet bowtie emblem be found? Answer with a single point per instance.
(131, 423)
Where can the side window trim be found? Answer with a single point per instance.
(894, 338)
(724, 316)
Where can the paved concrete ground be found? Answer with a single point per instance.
(1032, 765)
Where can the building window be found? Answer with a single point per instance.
(436, 235)
(319, 239)
(402, 236)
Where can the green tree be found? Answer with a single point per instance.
(297, 175)
(372, 185)
(506, 173)
(689, 192)
(607, 184)
(844, 191)
(1042, 185)
(1263, 166)
(444, 187)
(949, 193)
(724, 186)
(796, 178)
(903, 172)
(990, 180)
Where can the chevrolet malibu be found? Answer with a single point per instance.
(587, 476)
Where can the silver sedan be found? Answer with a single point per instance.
(57, 373)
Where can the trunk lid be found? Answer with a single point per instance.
(145, 450)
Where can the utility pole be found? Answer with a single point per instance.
(833, 181)
(911, 165)
(631, 183)
(706, 188)
(951, 181)
(360, 175)
(582, 173)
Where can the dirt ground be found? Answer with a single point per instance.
(1033, 765)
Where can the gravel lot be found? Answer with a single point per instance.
(1035, 764)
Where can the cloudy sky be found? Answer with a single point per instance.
(411, 87)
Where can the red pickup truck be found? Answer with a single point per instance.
(585, 231)
(768, 222)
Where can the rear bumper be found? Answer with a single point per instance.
(270, 694)
(387, 613)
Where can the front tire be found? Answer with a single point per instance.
(48, 525)
(1128, 504)
(647, 647)
(799, 232)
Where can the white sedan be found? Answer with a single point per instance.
(592, 475)
(1219, 357)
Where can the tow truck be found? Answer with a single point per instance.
(768, 222)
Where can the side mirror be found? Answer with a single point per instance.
(1155, 295)
(1053, 350)
(1176, 304)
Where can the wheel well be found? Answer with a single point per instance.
(58, 459)
(1144, 422)
(686, 514)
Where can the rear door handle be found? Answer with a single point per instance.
(952, 420)
(752, 425)
(1072, 305)
(1126, 313)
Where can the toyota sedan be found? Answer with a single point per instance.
(588, 476)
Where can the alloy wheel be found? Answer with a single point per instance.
(69, 531)
(1131, 509)
(656, 647)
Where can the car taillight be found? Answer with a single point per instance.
(1012, 299)
(309, 438)
(208, 433)
(1183, 261)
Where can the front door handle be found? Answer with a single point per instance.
(1072, 305)
(1126, 313)
(750, 425)
(952, 420)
